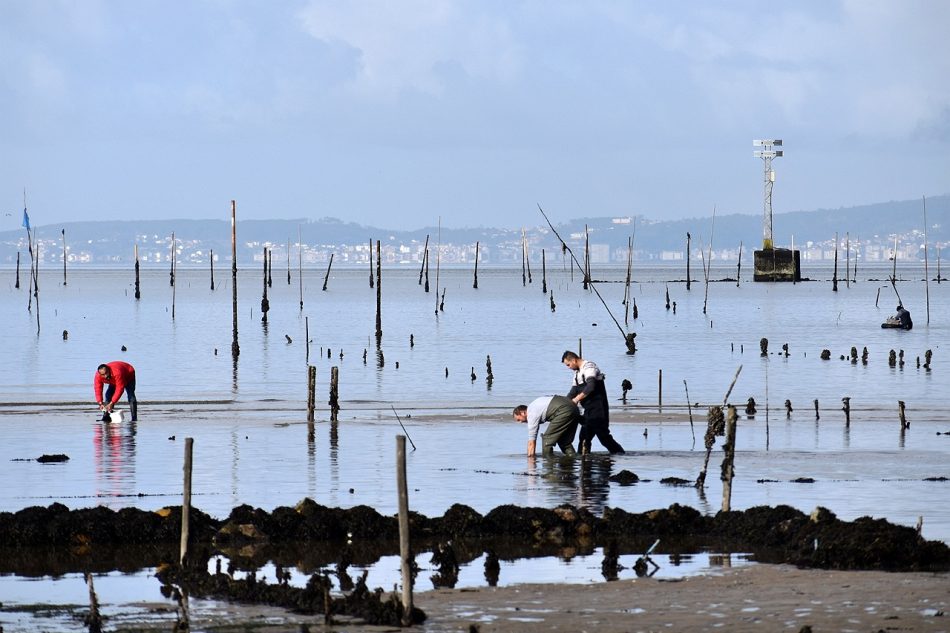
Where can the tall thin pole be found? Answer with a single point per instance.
(926, 262)
(739, 266)
(171, 265)
(211, 265)
(371, 264)
(425, 259)
(288, 261)
(138, 292)
(174, 288)
(36, 285)
(544, 273)
(834, 278)
(688, 240)
(626, 286)
(438, 262)
(524, 257)
(847, 259)
(404, 547)
(379, 294)
(527, 258)
(235, 348)
(64, 256)
(186, 501)
(300, 264)
(475, 282)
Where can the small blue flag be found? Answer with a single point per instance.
(26, 219)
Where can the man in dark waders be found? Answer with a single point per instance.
(562, 417)
(588, 392)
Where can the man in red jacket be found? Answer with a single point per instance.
(120, 377)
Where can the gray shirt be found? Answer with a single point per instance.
(537, 412)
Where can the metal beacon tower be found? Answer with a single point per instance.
(770, 263)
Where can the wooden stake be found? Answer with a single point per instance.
(306, 324)
(311, 392)
(904, 423)
(371, 282)
(834, 278)
(524, 256)
(739, 266)
(265, 304)
(728, 461)
(269, 262)
(438, 261)
(235, 348)
(186, 501)
(288, 261)
(926, 263)
(334, 401)
(847, 259)
(689, 408)
(18, 270)
(475, 282)
(138, 293)
(659, 389)
(94, 619)
(171, 269)
(379, 294)
(211, 264)
(300, 269)
(327, 277)
(425, 259)
(64, 254)
(688, 239)
(405, 555)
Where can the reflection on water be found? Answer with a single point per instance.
(114, 455)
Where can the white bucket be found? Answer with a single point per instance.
(116, 417)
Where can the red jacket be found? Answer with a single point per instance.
(122, 374)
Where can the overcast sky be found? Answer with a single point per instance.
(396, 113)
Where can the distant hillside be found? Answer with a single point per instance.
(111, 241)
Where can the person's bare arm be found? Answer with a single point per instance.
(532, 444)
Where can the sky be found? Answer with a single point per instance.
(401, 114)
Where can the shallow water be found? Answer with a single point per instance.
(249, 420)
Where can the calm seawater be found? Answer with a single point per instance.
(249, 419)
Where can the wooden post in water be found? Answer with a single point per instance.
(834, 278)
(300, 266)
(211, 265)
(586, 257)
(171, 269)
(235, 348)
(659, 389)
(379, 295)
(334, 401)
(926, 264)
(544, 273)
(438, 263)
(739, 266)
(904, 423)
(174, 287)
(138, 287)
(265, 304)
(688, 239)
(475, 282)
(18, 270)
(580, 347)
(524, 256)
(327, 277)
(728, 461)
(64, 253)
(186, 501)
(306, 334)
(817, 416)
(527, 259)
(426, 264)
(270, 267)
(847, 259)
(94, 619)
(846, 407)
(288, 261)
(311, 392)
(425, 258)
(405, 555)
(371, 282)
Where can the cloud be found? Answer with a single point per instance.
(406, 45)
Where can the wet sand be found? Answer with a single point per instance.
(753, 598)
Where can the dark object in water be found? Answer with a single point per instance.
(826, 354)
(624, 478)
(675, 481)
(803, 480)
(750, 407)
(124, 348)
(52, 459)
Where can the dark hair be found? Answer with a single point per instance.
(519, 409)
(103, 366)
(568, 355)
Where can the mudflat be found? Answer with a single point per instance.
(752, 598)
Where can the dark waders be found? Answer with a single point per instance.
(562, 417)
